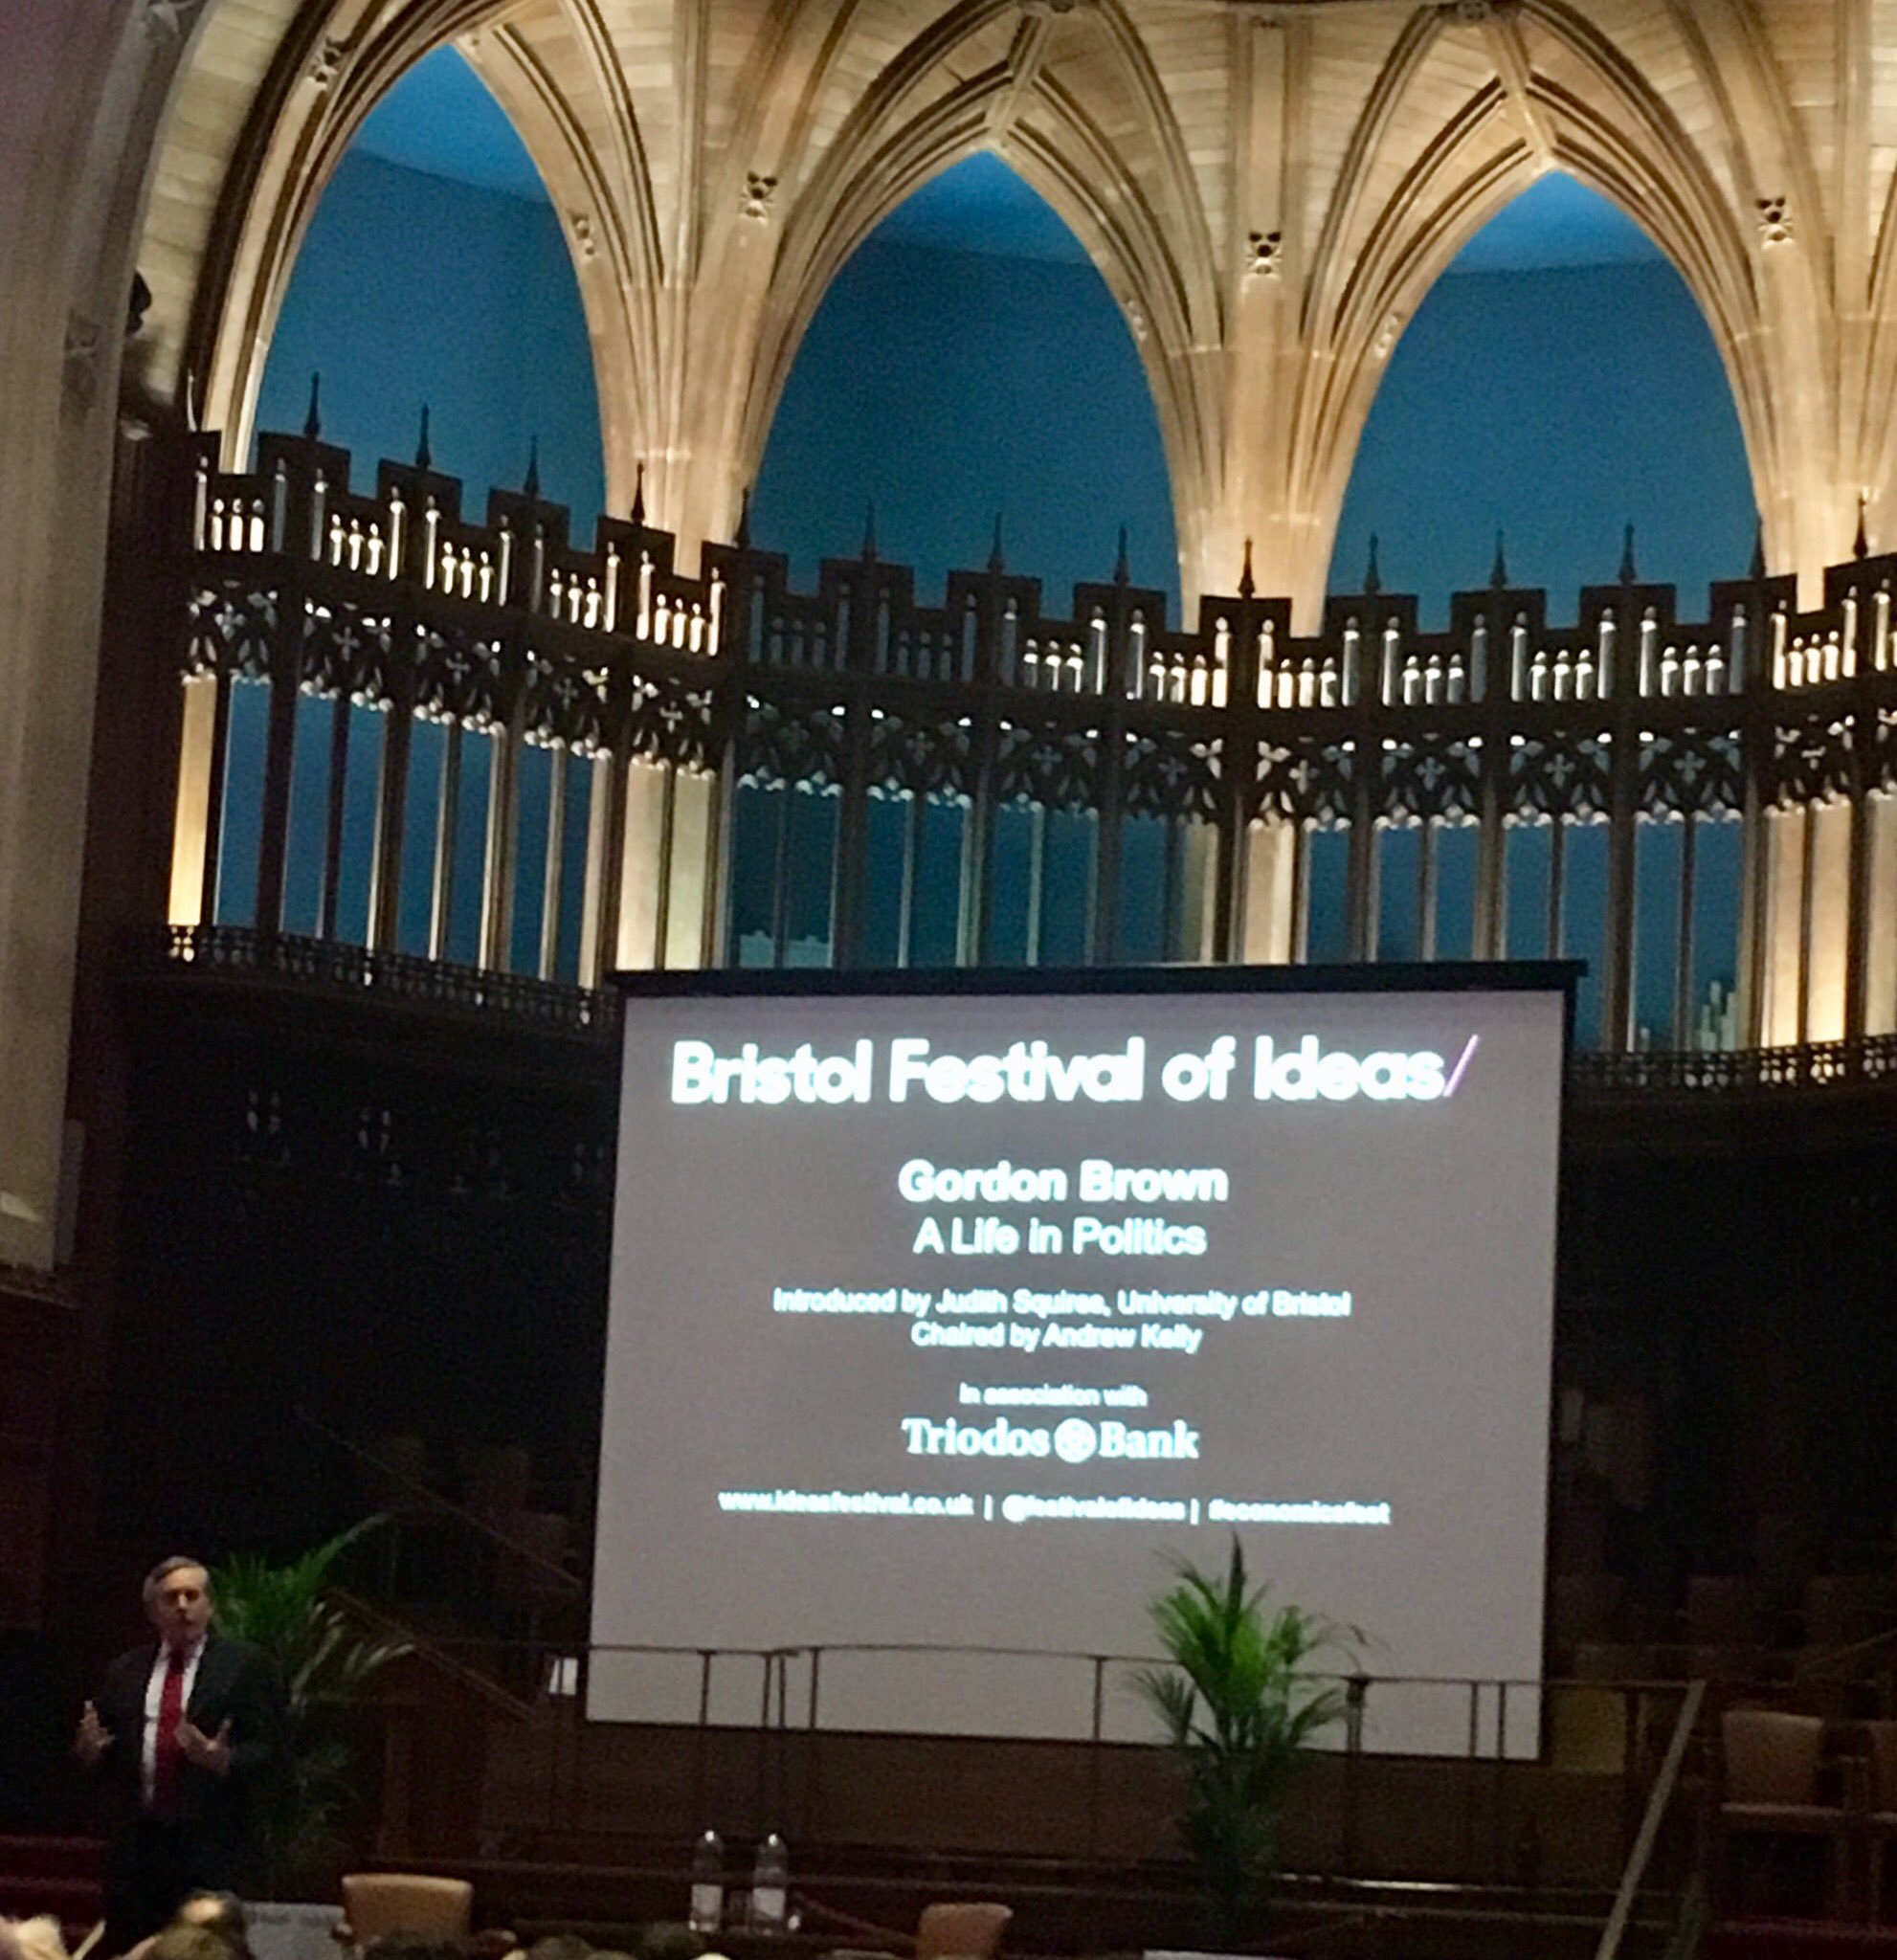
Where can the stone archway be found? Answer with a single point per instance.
(1334, 157)
(1131, 205)
(702, 240)
(88, 89)
(1459, 116)
(312, 100)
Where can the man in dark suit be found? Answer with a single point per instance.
(176, 1738)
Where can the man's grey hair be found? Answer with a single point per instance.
(164, 1569)
(223, 1912)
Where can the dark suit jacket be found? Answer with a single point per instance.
(236, 1683)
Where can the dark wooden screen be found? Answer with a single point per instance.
(649, 767)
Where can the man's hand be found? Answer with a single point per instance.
(94, 1738)
(210, 1752)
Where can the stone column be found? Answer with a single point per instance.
(81, 91)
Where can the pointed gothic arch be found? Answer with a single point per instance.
(434, 274)
(1561, 395)
(314, 97)
(977, 353)
(1384, 241)
(1134, 210)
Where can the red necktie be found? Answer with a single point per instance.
(167, 1755)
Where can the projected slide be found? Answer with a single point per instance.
(946, 1319)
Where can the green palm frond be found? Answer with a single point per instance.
(325, 1666)
(1240, 1693)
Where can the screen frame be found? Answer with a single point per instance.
(1562, 976)
(1361, 977)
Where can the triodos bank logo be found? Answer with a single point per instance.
(1076, 1439)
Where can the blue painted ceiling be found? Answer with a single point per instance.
(440, 119)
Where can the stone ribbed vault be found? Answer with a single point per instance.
(1269, 188)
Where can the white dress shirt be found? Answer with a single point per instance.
(154, 1695)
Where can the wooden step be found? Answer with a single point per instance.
(48, 1874)
(1799, 1939)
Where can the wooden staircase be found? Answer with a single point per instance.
(1799, 1939)
(47, 1873)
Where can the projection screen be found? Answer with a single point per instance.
(949, 1316)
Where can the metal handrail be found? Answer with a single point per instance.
(1659, 1800)
(437, 1502)
(1821, 1666)
(775, 1767)
(380, 975)
(433, 1652)
(806, 1649)
(1689, 1927)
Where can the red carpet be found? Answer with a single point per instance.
(56, 1875)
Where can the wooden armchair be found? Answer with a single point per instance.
(971, 1931)
(378, 1904)
(1880, 1818)
(1770, 1787)
(961, 1931)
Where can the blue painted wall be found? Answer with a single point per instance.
(412, 289)
(949, 387)
(1556, 405)
(946, 386)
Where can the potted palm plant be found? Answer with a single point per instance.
(1238, 1697)
(325, 1665)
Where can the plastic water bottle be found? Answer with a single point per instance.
(770, 1886)
(707, 1912)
